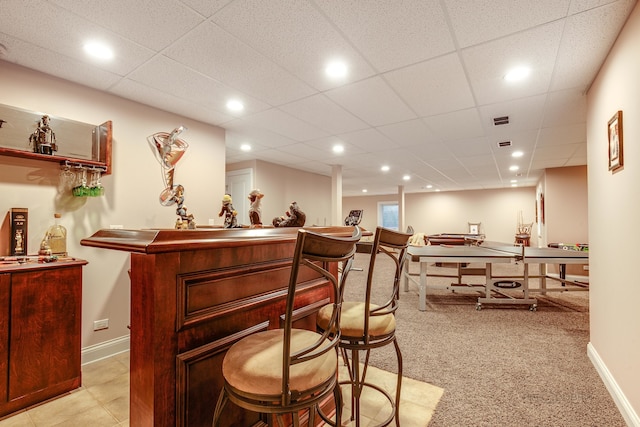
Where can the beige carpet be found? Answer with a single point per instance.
(503, 365)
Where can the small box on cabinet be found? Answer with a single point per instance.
(19, 225)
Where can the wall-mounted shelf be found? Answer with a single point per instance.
(101, 151)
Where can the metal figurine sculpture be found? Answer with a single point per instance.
(229, 213)
(168, 150)
(293, 218)
(255, 211)
(43, 139)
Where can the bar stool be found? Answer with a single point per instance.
(365, 325)
(287, 370)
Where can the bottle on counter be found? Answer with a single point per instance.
(57, 237)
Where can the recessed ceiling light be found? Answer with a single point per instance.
(513, 181)
(406, 177)
(245, 147)
(517, 154)
(364, 190)
(336, 69)
(516, 74)
(235, 105)
(514, 185)
(429, 186)
(98, 50)
(513, 168)
(338, 148)
(384, 168)
(437, 190)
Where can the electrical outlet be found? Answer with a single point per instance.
(211, 222)
(98, 325)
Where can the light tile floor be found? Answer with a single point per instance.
(103, 400)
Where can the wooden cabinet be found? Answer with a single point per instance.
(40, 332)
(193, 294)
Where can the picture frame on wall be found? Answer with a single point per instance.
(474, 228)
(615, 142)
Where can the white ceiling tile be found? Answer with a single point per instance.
(469, 147)
(373, 101)
(565, 107)
(151, 96)
(432, 152)
(280, 157)
(240, 132)
(420, 33)
(411, 132)
(433, 87)
(307, 152)
(558, 151)
(206, 7)
(481, 20)
(151, 23)
(282, 123)
(369, 140)
(324, 114)
(584, 48)
(32, 56)
(487, 64)
(65, 33)
(215, 53)
(456, 125)
(295, 35)
(178, 80)
(546, 163)
(578, 6)
(524, 113)
(325, 145)
(568, 134)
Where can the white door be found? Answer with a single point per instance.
(239, 184)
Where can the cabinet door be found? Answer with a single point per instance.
(5, 282)
(44, 348)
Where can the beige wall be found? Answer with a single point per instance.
(566, 215)
(565, 199)
(450, 212)
(132, 190)
(282, 185)
(614, 209)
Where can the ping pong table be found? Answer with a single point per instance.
(489, 253)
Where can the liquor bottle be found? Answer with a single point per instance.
(57, 238)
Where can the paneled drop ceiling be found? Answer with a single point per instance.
(424, 83)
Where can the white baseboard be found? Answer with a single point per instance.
(105, 349)
(629, 415)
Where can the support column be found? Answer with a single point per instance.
(336, 195)
(401, 217)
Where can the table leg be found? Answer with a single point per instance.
(525, 280)
(405, 276)
(423, 286)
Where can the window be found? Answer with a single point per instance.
(388, 215)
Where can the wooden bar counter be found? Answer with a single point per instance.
(193, 294)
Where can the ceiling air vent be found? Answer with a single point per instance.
(504, 144)
(504, 120)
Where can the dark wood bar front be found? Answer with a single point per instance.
(193, 294)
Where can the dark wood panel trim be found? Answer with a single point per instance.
(185, 360)
(185, 320)
(185, 317)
